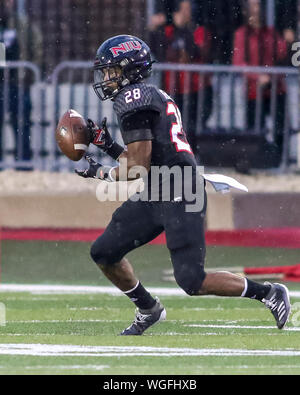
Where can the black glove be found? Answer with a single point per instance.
(103, 140)
(100, 136)
(96, 170)
(92, 171)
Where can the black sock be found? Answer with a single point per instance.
(255, 290)
(141, 298)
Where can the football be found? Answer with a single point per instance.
(72, 135)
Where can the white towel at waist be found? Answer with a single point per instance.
(223, 183)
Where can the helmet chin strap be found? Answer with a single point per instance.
(115, 91)
(125, 82)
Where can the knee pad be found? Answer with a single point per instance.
(188, 270)
(95, 253)
(102, 253)
(190, 279)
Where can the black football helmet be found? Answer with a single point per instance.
(120, 61)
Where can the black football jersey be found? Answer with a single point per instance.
(147, 113)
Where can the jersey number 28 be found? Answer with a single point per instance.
(177, 133)
(135, 94)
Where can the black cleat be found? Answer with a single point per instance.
(144, 319)
(278, 301)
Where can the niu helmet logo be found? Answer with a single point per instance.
(125, 47)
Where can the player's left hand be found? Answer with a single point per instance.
(93, 171)
(100, 136)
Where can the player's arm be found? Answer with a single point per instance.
(136, 161)
(137, 134)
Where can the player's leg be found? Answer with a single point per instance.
(191, 277)
(132, 225)
(185, 233)
(121, 274)
(188, 263)
(274, 296)
(186, 243)
(229, 284)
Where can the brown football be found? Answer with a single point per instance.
(72, 135)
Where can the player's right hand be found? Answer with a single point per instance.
(93, 170)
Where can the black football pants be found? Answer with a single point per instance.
(136, 223)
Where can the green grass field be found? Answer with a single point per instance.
(54, 333)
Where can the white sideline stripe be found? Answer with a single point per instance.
(69, 321)
(295, 329)
(291, 329)
(90, 289)
(114, 351)
(80, 289)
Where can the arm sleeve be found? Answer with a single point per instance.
(138, 126)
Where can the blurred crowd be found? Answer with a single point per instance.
(212, 25)
(221, 32)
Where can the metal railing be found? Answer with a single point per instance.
(20, 89)
(70, 86)
(234, 77)
(231, 102)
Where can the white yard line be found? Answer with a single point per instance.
(61, 367)
(70, 321)
(241, 367)
(115, 351)
(295, 329)
(81, 289)
(208, 326)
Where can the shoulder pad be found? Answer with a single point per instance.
(134, 98)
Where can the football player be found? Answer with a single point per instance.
(151, 127)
